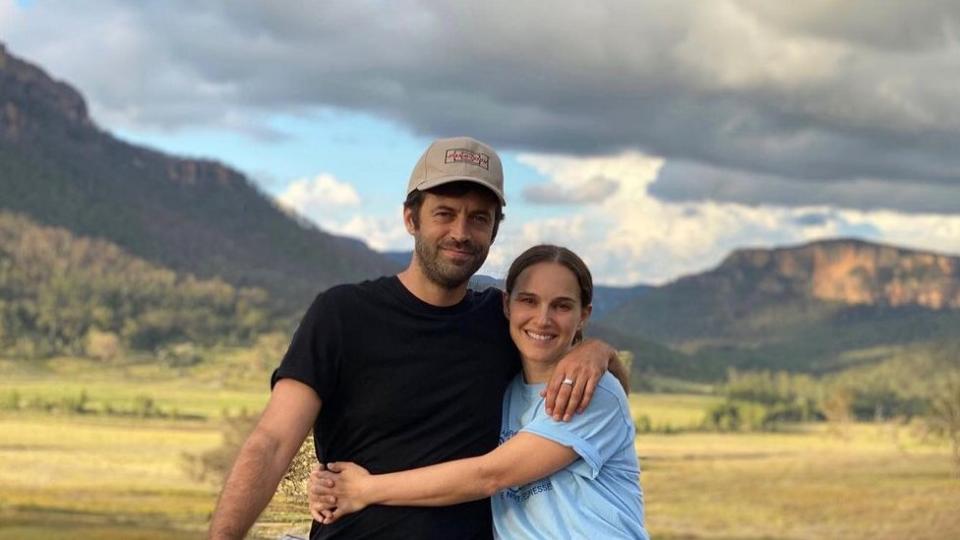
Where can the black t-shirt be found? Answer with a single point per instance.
(404, 384)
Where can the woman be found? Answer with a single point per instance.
(547, 479)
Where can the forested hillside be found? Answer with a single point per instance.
(60, 294)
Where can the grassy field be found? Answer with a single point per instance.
(674, 411)
(107, 477)
(868, 482)
(98, 476)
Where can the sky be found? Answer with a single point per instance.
(652, 137)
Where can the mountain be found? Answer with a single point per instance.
(801, 308)
(195, 216)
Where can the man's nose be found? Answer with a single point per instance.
(458, 229)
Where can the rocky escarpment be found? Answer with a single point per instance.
(851, 272)
(28, 96)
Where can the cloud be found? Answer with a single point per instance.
(380, 233)
(634, 237)
(313, 197)
(592, 190)
(686, 181)
(808, 93)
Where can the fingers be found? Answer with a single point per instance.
(552, 389)
(335, 467)
(563, 399)
(588, 390)
(325, 516)
(316, 515)
(322, 507)
(335, 515)
(576, 394)
(322, 484)
(562, 387)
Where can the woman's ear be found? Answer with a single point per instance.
(585, 315)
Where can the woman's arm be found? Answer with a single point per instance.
(522, 459)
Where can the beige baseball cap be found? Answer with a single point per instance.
(458, 159)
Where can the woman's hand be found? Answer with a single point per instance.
(321, 503)
(343, 488)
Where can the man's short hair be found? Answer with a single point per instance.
(415, 198)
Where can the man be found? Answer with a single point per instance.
(404, 371)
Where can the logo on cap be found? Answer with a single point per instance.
(462, 155)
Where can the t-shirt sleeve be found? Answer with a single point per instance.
(313, 357)
(595, 435)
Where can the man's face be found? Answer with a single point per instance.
(453, 237)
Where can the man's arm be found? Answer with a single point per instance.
(264, 458)
(621, 371)
(584, 365)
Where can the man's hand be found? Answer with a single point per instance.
(341, 489)
(576, 377)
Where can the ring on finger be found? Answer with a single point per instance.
(567, 380)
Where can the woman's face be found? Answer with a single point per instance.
(545, 311)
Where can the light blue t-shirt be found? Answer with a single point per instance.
(596, 496)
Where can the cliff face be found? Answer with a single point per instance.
(798, 306)
(196, 216)
(852, 272)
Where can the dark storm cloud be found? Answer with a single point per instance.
(818, 95)
(686, 181)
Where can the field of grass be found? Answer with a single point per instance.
(97, 476)
(107, 477)
(674, 411)
(868, 482)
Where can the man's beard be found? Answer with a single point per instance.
(443, 273)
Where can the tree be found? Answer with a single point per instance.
(838, 410)
(102, 345)
(944, 414)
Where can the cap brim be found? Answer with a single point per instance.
(422, 186)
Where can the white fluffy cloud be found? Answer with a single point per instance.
(319, 196)
(380, 233)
